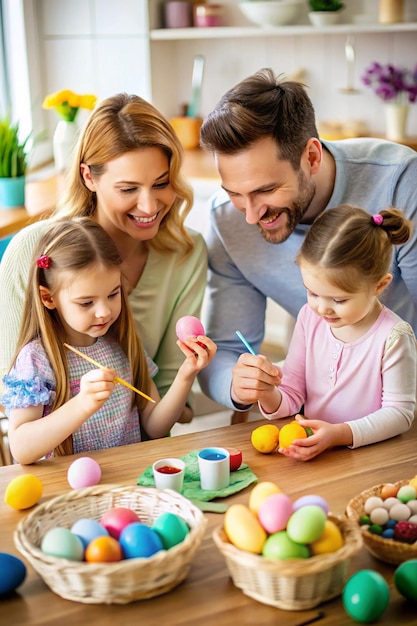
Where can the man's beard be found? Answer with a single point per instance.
(294, 214)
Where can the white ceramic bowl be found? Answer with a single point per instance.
(271, 12)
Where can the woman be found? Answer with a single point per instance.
(126, 176)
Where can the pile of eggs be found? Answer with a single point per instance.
(393, 514)
(278, 528)
(118, 535)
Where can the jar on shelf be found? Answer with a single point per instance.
(391, 11)
(206, 15)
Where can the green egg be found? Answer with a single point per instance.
(375, 529)
(306, 524)
(364, 519)
(365, 596)
(405, 579)
(280, 546)
(171, 528)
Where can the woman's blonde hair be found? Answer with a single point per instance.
(73, 245)
(121, 124)
(353, 246)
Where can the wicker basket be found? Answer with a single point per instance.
(387, 550)
(124, 581)
(294, 584)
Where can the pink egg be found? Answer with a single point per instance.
(83, 472)
(275, 512)
(116, 519)
(188, 326)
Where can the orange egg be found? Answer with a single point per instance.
(289, 432)
(103, 550)
(389, 491)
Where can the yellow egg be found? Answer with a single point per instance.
(413, 482)
(261, 492)
(243, 529)
(330, 540)
(23, 491)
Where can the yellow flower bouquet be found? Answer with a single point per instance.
(66, 103)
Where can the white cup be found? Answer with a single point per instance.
(214, 466)
(169, 474)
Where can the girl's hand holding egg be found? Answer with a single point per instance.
(189, 329)
(188, 326)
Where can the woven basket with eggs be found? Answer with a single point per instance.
(293, 584)
(387, 550)
(123, 581)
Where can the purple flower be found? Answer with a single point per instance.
(391, 83)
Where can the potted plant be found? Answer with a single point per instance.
(324, 12)
(396, 87)
(13, 164)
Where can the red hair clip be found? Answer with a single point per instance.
(44, 262)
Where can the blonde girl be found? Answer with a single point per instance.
(351, 362)
(55, 399)
(126, 176)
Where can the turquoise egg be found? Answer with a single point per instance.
(405, 579)
(12, 572)
(171, 528)
(365, 596)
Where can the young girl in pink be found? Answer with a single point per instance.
(351, 362)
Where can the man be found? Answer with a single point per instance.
(277, 177)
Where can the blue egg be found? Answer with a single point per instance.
(12, 573)
(388, 533)
(391, 523)
(88, 529)
(138, 540)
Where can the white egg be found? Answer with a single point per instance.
(399, 512)
(412, 505)
(389, 502)
(379, 516)
(372, 503)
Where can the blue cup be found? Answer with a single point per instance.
(214, 467)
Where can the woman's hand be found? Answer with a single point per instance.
(255, 378)
(324, 436)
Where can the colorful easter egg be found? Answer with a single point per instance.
(83, 472)
(23, 491)
(12, 573)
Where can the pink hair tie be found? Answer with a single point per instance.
(377, 219)
(44, 262)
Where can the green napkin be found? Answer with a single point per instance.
(240, 479)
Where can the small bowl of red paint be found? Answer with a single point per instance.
(169, 474)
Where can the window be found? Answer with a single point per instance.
(20, 73)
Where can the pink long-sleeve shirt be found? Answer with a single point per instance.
(369, 384)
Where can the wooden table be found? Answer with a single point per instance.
(208, 596)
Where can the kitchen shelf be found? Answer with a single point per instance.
(171, 34)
